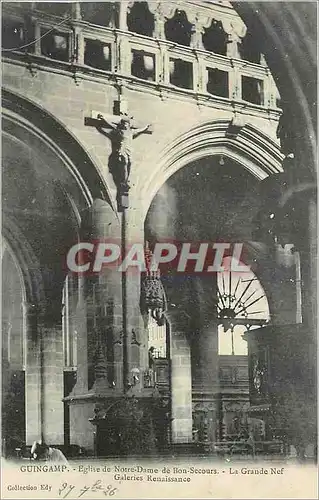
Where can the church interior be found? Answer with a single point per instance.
(147, 122)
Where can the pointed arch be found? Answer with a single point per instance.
(20, 112)
(251, 148)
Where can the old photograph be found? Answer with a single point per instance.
(159, 249)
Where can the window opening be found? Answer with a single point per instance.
(241, 305)
(143, 65)
(217, 82)
(252, 90)
(55, 45)
(181, 73)
(178, 29)
(249, 50)
(140, 19)
(215, 38)
(97, 54)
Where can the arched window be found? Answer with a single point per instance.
(140, 19)
(242, 304)
(215, 38)
(178, 29)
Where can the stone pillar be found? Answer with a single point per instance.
(207, 363)
(233, 42)
(181, 380)
(76, 11)
(308, 253)
(205, 377)
(235, 30)
(32, 375)
(98, 321)
(52, 410)
(123, 15)
(136, 333)
(159, 24)
(234, 84)
(196, 36)
(81, 409)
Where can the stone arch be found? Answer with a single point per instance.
(249, 147)
(26, 260)
(21, 112)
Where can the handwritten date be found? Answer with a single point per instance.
(67, 488)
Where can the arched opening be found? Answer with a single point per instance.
(43, 205)
(178, 28)
(217, 308)
(214, 38)
(140, 19)
(249, 49)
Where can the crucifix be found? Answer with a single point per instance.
(121, 131)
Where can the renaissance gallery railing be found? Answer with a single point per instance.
(82, 47)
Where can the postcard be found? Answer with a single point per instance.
(159, 249)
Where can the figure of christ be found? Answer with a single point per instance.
(122, 135)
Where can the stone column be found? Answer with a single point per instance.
(308, 263)
(181, 379)
(136, 333)
(123, 15)
(234, 84)
(233, 42)
(196, 36)
(52, 410)
(104, 301)
(205, 353)
(32, 375)
(235, 30)
(76, 11)
(206, 375)
(98, 321)
(159, 24)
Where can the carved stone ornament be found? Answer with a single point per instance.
(100, 366)
(258, 375)
(153, 297)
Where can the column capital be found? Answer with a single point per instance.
(234, 28)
